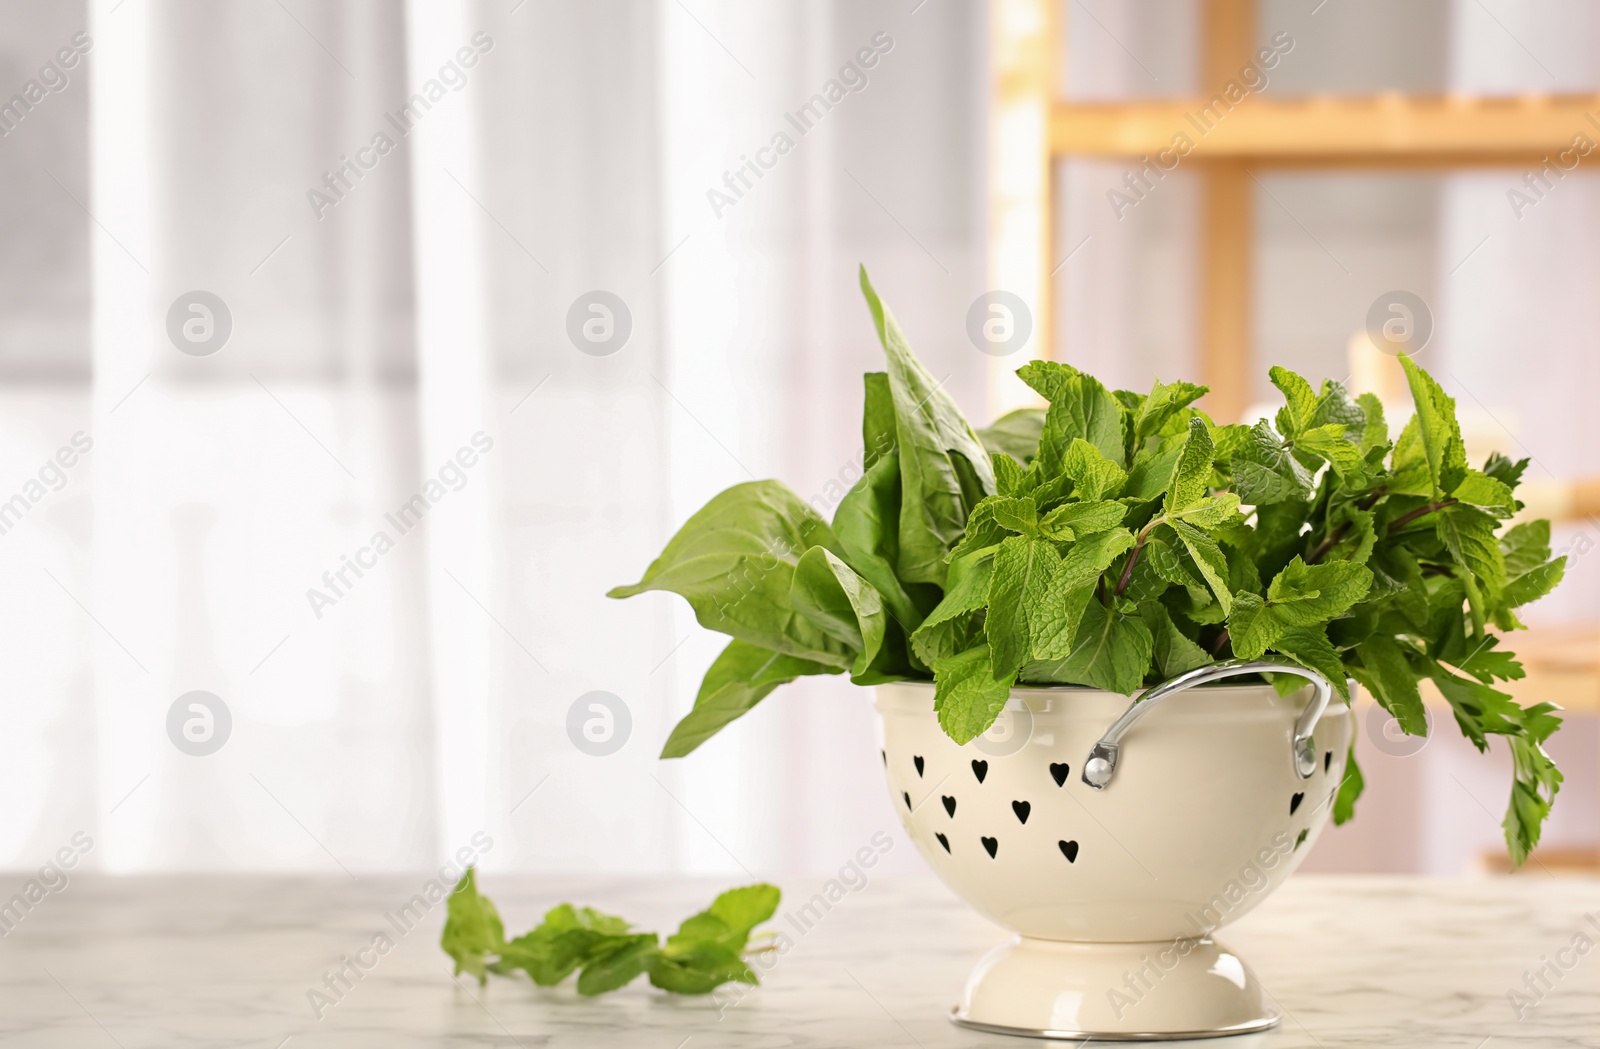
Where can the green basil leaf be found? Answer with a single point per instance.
(742, 676)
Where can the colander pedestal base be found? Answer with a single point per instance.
(1113, 991)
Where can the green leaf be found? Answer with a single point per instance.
(1071, 520)
(1311, 595)
(1309, 646)
(1095, 476)
(1209, 512)
(1193, 468)
(1151, 473)
(619, 965)
(1264, 472)
(967, 695)
(1164, 401)
(944, 468)
(846, 607)
(472, 928)
(1437, 427)
(1023, 571)
(1526, 546)
(1209, 559)
(1535, 781)
(1392, 682)
(1252, 628)
(1301, 400)
(699, 968)
(1080, 408)
(1088, 557)
(1015, 434)
(742, 676)
(1112, 651)
(742, 909)
(1375, 434)
(1329, 443)
(1350, 788)
(970, 574)
(1486, 493)
(878, 425)
(1468, 534)
(1016, 514)
(1009, 477)
(734, 562)
(1535, 583)
(867, 525)
(1174, 652)
(982, 530)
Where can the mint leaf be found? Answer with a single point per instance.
(1174, 652)
(1309, 646)
(1350, 788)
(967, 695)
(1436, 422)
(1080, 409)
(1193, 468)
(618, 964)
(472, 928)
(1295, 415)
(1095, 476)
(1534, 583)
(1264, 472)
(1310, 595)
(1112, 651)
(1209, 558)
(1071, 520)
(1392, 682)
(1469, 536)
(1023, 571)
(939, 637)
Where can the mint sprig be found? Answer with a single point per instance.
(707, 951)
(1116, 538)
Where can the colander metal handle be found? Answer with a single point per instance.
(1101, 765)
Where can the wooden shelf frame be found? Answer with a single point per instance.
(1032, 129)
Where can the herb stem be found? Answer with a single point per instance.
(1405, 519)
(1336, 537)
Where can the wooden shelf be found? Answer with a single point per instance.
(1335, 131)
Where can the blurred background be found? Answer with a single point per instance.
(517, 285)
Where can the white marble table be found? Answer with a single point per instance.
(227, 961)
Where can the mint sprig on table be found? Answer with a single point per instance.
(707, 951)
(1115, 539)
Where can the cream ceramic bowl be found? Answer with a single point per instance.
(1216, 794)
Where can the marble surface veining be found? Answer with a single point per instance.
(130, 963)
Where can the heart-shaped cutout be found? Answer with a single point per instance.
(943, 841)
(917, 761)
(907, 796)
(949, 804)
(1021, 808)
(991, 846)
(1069, 849)
(1294, 802)
(1059, 771)
(980, 769)
(1327, 760)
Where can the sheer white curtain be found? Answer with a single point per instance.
(388, 305)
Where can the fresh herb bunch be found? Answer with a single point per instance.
(1116, 539)
(707, 951)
